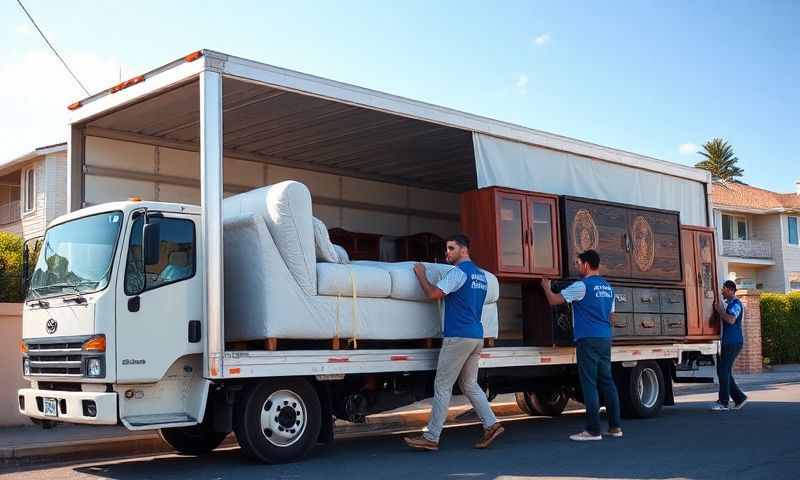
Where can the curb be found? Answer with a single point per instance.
(136, 444)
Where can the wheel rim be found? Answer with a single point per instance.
(283, 418)
(552, 398)
(647, 388)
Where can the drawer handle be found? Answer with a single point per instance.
(648, 324)
(675, 324)
(674, 300)
(621, 298)
(647, 299)
(620, 324)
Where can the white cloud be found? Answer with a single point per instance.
(688, 148)
(542, 39)
(35, 90)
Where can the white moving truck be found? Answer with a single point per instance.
(156, 313)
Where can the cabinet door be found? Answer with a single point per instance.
(706, 281)
(694, 325)
(542, 236)
(512, 232)
(654, 245)
(599, 227)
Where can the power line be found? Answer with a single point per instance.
(51, 46)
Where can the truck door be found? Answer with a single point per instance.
(158, 304)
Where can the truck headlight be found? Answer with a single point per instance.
(94, 367)
(26, 366)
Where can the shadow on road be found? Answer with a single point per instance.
(686, 441)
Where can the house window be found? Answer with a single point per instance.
(734, 228)
(793, 234)
(29, 190)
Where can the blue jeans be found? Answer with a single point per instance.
(594, 371)
(727, 385)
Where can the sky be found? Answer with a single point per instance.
(655, 78)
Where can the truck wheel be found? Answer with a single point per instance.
(548, 403)
(641, 390)
(194, 440)
(279, 420)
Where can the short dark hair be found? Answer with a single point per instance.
(730, 284)
(591, 257)
(459, 238)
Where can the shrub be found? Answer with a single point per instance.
(780, 327)
(10, 267)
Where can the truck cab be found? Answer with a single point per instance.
(112, 319)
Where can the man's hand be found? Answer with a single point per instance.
(546, 284)
(719, 308)
(419, 269)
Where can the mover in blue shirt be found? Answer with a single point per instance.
(732, 341)
(592, 301)
(463, 289)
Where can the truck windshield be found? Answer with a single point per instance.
(76, 256)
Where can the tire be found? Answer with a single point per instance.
(278, 420)
(642, 390)
(549, 403)
(194, 440)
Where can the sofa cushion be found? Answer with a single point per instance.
(337, 279)
(344, 258)
(322, 243)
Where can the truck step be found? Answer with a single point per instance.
(158, 419)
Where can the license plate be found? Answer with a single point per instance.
(50, 407)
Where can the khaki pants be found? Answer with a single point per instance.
(458, 359)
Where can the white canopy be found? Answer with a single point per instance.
(504, 163)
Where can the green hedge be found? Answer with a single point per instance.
(10, 267)
(780, 327)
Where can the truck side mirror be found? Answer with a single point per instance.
(152, 243)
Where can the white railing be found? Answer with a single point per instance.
(747, 248)
(9, 213)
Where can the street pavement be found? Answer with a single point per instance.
(685, 441)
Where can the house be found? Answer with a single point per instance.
(758, 237)
(33, 190)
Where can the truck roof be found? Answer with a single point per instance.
(177, 73)
(126, 207)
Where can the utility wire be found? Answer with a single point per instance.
(52, 47)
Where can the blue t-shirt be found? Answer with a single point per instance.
(465, 289)
(592, 301)
(732, 334)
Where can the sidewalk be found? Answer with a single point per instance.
(34, 445)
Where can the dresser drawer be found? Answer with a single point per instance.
(673, 324)
(646, 300)
(647, 324)
(672, 301)
(622, 324)
(623, 299)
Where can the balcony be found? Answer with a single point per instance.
(747, 248)
(9, 213)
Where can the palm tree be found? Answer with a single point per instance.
(720, 160)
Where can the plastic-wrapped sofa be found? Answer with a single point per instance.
(284, 279)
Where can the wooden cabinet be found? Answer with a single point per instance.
(699, 257)
(514, 234)
(633, 243)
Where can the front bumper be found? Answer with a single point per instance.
(70, 406)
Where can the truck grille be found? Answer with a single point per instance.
(59, 357)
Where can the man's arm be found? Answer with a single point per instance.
(552, 298)
(573, 293)
(431, 291)
(724, 315)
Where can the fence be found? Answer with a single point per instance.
(9, 213)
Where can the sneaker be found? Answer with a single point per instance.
(614, 432)
(419, 442)
(738, 406)
(718, 407)
(585, 436)
(489, 435)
